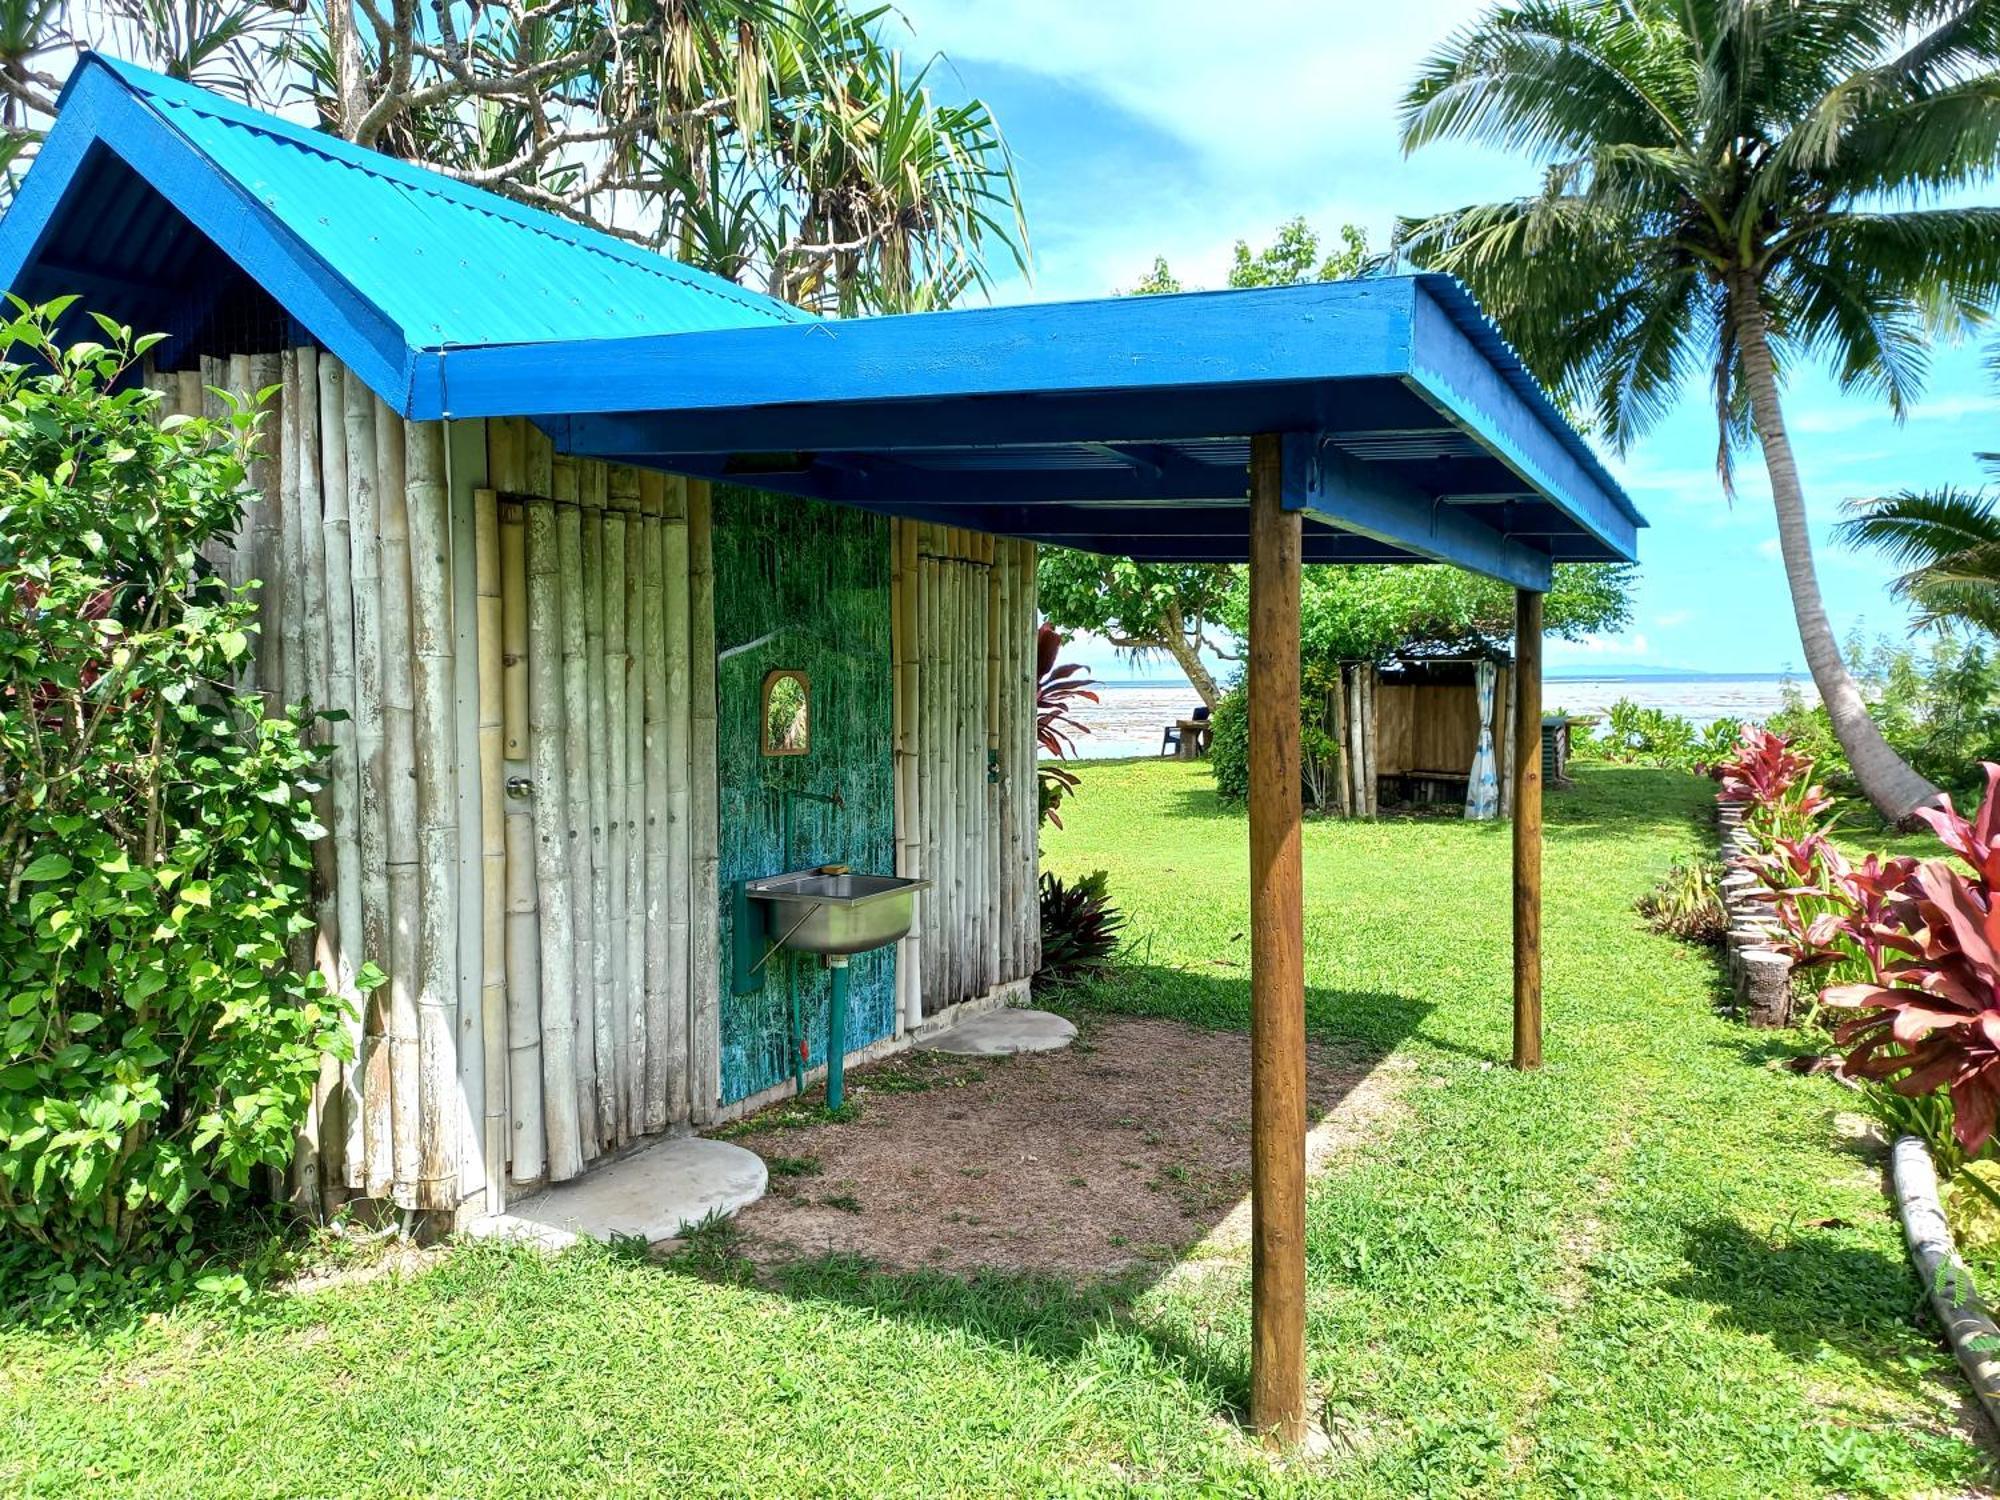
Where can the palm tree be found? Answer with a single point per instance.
(1734, 187)
(1947, 541)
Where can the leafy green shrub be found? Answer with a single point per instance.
(155, 829)
(1319, 753)
(1687, 903)
(1229, 745)
(1080, 927)
(1938, 708)
(1653, 737)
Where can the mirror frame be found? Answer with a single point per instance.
(771, 680)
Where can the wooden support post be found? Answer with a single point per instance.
(1527, 829)
(1277, 966)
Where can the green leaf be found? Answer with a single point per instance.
(47, 867)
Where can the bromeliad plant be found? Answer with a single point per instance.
(1080, 927)
(1060, 687)
(154, 823)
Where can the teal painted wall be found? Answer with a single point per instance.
(805, 586)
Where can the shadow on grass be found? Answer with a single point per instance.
(1805, 1287)
(1375, 1020)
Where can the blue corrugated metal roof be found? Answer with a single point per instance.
(1410, 429)
(448, 263)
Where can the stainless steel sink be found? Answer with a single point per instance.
(816, 913)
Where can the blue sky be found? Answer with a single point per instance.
(1162, 127)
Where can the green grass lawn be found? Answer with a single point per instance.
(1657, 1266)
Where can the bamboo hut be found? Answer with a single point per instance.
(542, 515)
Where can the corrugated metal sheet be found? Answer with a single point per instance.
(451, 264)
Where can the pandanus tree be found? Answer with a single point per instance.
(1732, 188)
(785, 144)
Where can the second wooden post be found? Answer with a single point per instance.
(1527, 829)
(1277, 964)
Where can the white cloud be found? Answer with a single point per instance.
(1281, 107)
(1295, 80)
(1768, 547)
(1672, 618)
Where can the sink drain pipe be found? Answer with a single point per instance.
(836, 1030)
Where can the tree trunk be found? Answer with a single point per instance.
(1886, 779)
(1173, 639)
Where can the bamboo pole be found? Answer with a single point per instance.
(989, 841)
(676, 1017)
(344, 770)
(628, 486)
(619, 900)
(929, 790)
(1372, 780)
(971, 648)
(1030, 786)
(902, 651)
(261, 559)
(435, 722)
(1528, 829)
(303, 951)
(1007, 829)
(654, 1018)
(1277, 966)
(576, 833)
(705, 915)
(393, 1165)
(492, 844)
(554, 898)
(506, 466)
(523, 955)
(326, 869)
(284, 607)
(356, 418)
(947, 822)
(606, 984)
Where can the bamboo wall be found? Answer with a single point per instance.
(1432, 726)
(522, 788)
(966, 787)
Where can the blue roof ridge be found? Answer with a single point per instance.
(157, 88)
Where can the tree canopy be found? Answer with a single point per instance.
(785, 146)
(1373, 611)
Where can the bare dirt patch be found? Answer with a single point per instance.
(1125, 1150)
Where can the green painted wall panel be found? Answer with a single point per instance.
(805, 586)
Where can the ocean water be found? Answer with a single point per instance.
(1130, 716)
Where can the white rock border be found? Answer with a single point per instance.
(1968, 1328)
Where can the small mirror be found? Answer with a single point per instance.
(787, 726)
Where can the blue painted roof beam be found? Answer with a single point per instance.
(1355, 497)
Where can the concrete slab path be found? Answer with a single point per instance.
(656, 1193)
(1001, 1033)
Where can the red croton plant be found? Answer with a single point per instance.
(1060, 687)
(1795, 858)
(1930, 1016)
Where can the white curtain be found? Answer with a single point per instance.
(1482, 787)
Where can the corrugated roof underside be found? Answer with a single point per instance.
(450, 272)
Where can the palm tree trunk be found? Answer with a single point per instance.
(1887, 780)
